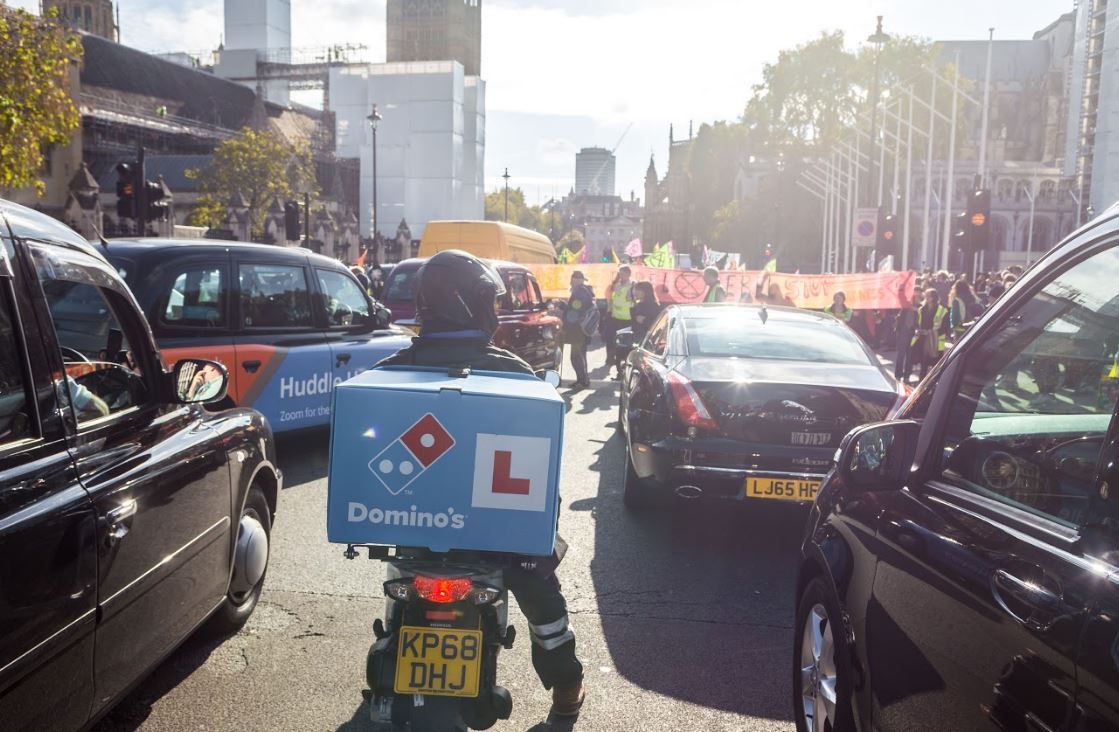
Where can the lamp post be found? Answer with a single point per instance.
(374, 118)
(780, 165)
(877, 38)
(506, 177)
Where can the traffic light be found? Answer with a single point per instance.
(978, 219)
(157, 200)
(126, 190)
(887, 239)
(291, 221)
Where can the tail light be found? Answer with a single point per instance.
(440, 590)
(689, 407)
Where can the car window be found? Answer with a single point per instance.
(742, 334)
(343, 300)
(1037, 395)
(102, 377)
(534, 291)
(15, 414)
(401, 286)
(656, 341)
(196, 299)
(274, 296)
(519, 296)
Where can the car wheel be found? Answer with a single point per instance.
(636, 495)
(250, 564)
(559, 362)
(821, 668)
(621, 426)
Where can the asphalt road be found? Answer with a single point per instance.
(683, 616)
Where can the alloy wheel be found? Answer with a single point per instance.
(818, 671)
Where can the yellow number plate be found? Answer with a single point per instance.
(782, 489)
(438, 661)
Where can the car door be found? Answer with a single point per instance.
(189, 308)
(348, 319)
(156, 475)
(983, 586)
(284, 365)
(512, 333)
(48, 556)
(644, 407)
(547, 328)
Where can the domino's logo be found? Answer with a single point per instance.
(406, 459)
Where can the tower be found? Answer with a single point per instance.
(436, 30)
(92, 16)
(256, 31)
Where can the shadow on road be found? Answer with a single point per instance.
(303, 456)
(696, 601)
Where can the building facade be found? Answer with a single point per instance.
(436, 30)
(257, 32)
(594, 172)
(668, 204)
(607, 223)
(91, 16)
(1093, 148)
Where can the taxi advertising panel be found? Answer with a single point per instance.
(424, 458)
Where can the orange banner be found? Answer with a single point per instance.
(864, 291)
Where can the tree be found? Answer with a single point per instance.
(520, 213)
(261, 166)
(712, 166)
(37, 56)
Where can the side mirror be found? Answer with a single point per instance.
(550, 377)
(382, 316)
(198, 381)
(624, 339)
(878, 456)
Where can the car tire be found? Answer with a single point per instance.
(247, 579)
(821, 662)
(621, 425)
(636, 494)
(558, 362)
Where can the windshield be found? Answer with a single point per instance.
(744, 335)
(401, 286)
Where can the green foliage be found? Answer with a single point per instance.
(37, 56)
(261, 166)
(520, 213)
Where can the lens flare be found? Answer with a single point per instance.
(370, 433)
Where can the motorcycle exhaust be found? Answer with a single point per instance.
(689, 492)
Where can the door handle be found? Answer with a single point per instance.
(117, 519)
(340, 359)
(1038, 606)
(251, 366)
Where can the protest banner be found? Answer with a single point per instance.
(864, 291)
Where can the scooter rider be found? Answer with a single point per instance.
(456, 305)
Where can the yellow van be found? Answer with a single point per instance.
(489, 240)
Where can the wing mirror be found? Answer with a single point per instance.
(878, 456)
(382, 316)
(198, 381)
(550, 377)
(624, 339)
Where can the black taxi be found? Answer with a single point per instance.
(129, 516)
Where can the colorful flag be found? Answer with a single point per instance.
(633, 249)
(361, 258)
(614, 256)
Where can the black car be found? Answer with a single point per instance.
(960, 568)
(744, 402)
(129, 516)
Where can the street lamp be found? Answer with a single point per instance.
(780, 165)
(374, 118)
(506, 177)
(877, 38)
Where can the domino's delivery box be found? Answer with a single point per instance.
(423, 458)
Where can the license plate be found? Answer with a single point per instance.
(810, 439)
(438, 661)
(782, 489)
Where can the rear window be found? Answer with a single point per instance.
(743, 335)
(401, 286)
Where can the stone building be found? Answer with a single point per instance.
(436, 30)
(90, 16)
(668, 205)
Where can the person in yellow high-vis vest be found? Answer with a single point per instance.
(619, 304)
(930, 336)
(715, 291)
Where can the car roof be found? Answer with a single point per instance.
(776, 313)
(500, 264)
(161, 248)
(26, 223)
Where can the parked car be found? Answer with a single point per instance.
(525, 325)
(960, 569)
(287, 323)
(128, 514)
(744, 402)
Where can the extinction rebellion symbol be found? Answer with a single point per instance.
(690, 284)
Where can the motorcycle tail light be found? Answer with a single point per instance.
(400, 590)
(689, 407)
(484, 595)
(442, 589)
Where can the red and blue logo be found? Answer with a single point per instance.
(410, 455)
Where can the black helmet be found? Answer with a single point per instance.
(457, 291)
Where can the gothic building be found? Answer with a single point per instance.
(668, 206)
(91, 16)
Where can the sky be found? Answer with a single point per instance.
(562, 75)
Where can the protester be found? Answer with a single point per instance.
(578, 316)
(646, 310)
(357, 272)
(963, 306)
(904, 327)
(942, 284)
(838, 307)
(715, 291)
(929, 339)
(619, 301)
(376, 283)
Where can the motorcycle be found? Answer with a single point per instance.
(433, 667)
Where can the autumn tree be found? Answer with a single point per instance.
(259, 165)
(520, 213)
(37, 56)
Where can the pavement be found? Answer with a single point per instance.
(683, 615)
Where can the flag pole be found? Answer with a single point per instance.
(986, 113)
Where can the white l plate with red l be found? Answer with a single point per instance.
(511, 472)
